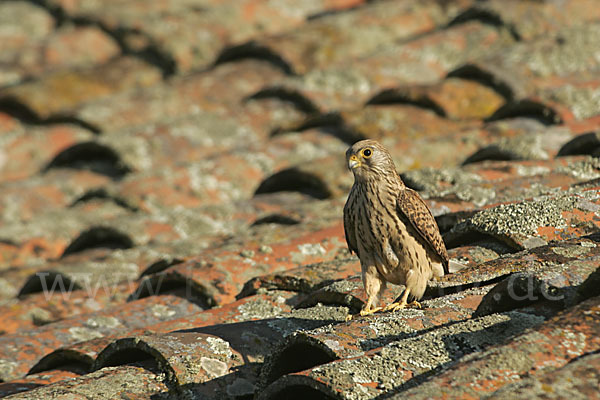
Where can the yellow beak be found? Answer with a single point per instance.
(353, 162)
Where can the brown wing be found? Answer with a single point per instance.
(349, 222)
(413, 207)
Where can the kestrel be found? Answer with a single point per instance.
(390, 228)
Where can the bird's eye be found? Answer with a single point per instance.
(367, 153)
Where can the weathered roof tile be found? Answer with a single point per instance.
(577, 378)
(128, 381)
(190, 155)
(529, 353)
(24, 24)
(181, 96)
(217, 277)
(58, 94)
(24, 349)
(386, 368)
(328, 40)
(534, 222)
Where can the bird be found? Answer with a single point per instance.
(390, 228)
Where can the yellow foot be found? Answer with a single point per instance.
(395, 306)
(415, 304)
(370, 311)
(400, 305)
(363, 313)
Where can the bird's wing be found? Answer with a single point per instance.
(349, 223)
(414, 209)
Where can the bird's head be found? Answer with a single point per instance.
(368, 159)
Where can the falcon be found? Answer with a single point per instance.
(390, 228)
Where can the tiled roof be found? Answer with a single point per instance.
(172, 177)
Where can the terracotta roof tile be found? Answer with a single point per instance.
(555, 269)
(261, 306)
(24, 349)
(32, 147)
(499, 365)
(483, 184)
(181, 96)
(327, 40)
(352, 339)
(559, 216)
(386, 368)
(34, 381)
(141, 30)
(532, 20)
(537, 78)
(59, 93)
(454, 98)
(577, 378)
(217, 277)
(179, 168)
(25, 25)
(129, 381)
(67, 47)
(219, 348)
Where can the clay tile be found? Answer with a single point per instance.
(455, 194)
(38, 196)
(52, 296)
(473, 255)
(262, 306)
(216, 349)
(67, 47)
(219, 23)
(90, 155)
(453, 98)
(577, 378)
(551, 89)
(520, 139)
(539, 348)
(37, 380)
(415, 136)
(352, 339)
(586, 143)
(46, 103)
(82, 355)
(567, 265)
(531, 223)
(493, 76)
(304, 279)
(24, 349)
(298, 179)
(530, 108)
(551, 272)
(283, 93)
(181, 96)
(26, 27)
(532, 20)
(217, 277)
(326, 39)
(390, 367)
(177, 355)
(32, 147)
(589, 288)
(129, 381)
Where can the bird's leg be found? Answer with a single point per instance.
(402, 303)
(374, 286)
(368, 308)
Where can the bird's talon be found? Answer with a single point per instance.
(364, 313)
(416, 304)
(395, 306)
